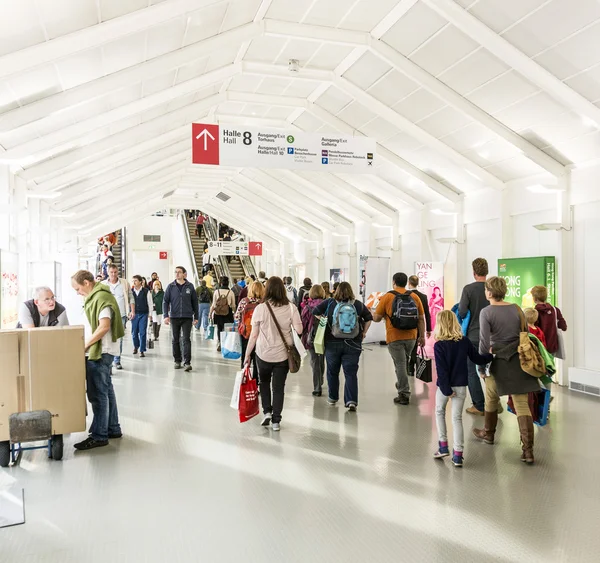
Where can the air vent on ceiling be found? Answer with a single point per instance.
(151, 238)
(223, 196)
(168, 194)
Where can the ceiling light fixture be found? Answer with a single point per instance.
(294, 65)
(442, 212)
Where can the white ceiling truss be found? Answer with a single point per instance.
(98, 103)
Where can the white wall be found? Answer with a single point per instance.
(143, 257)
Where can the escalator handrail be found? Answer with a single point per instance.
(190, 248)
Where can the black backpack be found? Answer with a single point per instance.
(405, 313)
(204, 296)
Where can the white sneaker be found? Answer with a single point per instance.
(276, 427)
(267, 420)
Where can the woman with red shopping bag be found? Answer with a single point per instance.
(272, 325)
(248, 398)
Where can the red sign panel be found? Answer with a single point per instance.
(255, 248)
(205, 144)
(163, 255)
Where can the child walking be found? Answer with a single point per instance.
(451, 352)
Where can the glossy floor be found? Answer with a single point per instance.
(188, 483)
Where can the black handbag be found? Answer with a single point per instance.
(424, 368)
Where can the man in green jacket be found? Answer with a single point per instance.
(103, 328)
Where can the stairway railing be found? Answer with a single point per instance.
(190, 248)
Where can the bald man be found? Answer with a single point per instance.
(42, 310)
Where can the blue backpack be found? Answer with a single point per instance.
(345, 320)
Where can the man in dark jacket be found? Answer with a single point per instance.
(473, 300)
(413, 283)
(180, 308)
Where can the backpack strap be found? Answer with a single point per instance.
(287, 346)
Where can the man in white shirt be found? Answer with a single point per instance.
(121, 291)
(102, 329)
(42, 310)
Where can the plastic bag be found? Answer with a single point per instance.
(231, 345)
(298, 343)
(248, 397)
(319, 341)
(235, 396)
(209, 334)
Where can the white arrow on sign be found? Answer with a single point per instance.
(206, 134)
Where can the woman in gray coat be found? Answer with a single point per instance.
(500, 327)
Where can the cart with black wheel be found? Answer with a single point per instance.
(42, 390)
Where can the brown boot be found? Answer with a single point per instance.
(487, 432)
(526, 428)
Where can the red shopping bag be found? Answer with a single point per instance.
(248, 406)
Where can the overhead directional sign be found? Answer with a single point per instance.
(234, 248)
(253, 147)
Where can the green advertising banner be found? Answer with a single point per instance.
(521, 274)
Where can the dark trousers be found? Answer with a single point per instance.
(475, 388)
(139, 327)
(412, 362)
(181, 329)
(221, 321)
(252, 358)
(343, 354)
(101, 395)
(278, 371)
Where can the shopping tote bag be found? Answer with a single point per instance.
(231, 345)
(424, 370)
(298, 343)
(235, 396)
(209, 334)
(248, 405)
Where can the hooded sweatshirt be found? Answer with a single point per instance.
(292, 294)
(550, 318)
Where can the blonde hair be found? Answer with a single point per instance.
(531, 316)
(256, 290)
(317, 292)
(497, 287)
(447, 327)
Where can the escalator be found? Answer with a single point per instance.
(197, 244)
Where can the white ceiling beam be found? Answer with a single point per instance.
(506, 52)
(271, 211)
(407, 126)
(86, 126)
(458, 102)
(393, 17)
(331, 180)
(266, 99)
(252, 191)
(321, 34)
(386, 154)
(123, 78)
(311, 202)
(73, 195)
(62, 172)
(244, 224)
(316, 193)
(90, 202)
(133, 135)
(392, 189)
(97, 35)
(114, 172)
(282, 71)
(433, 85)
(288, 197)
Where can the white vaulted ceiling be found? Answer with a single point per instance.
(97, 97)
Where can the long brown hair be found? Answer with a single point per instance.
(344, 292)
(275, 292)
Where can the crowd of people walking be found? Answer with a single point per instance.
(479, 346)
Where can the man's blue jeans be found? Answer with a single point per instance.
(101, 395)
(203, 310)
(343, 354)
(139, 327)
(117, 359)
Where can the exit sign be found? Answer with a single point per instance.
(163, 255)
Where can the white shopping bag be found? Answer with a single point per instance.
(235, 396)
(298, 344)
(231, 345)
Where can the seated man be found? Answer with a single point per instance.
(42, 310)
